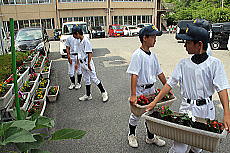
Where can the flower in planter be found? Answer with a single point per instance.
(38, 64)
(22, 99)
(27, 86)
(142, 100)
(215, 126)
(165, 111)
(10, 80)
(43, 83)
(22, 69)
(46, 69)
(53, 90)
(39, 94)
(29, 58)
(33, 77)
(3, 89)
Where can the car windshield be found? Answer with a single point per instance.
(132, 28)
(29, 34)
(67, 29)
(117, 27)
(97, 28)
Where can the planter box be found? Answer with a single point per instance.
(48, 83)
(195, 137)
(24, 107)
(39, 69)
(31, 63)
(25, 75)
(43, 99)
(46, 75)
(32, 91)
(52, 98)
(4, 101)
(138, 110)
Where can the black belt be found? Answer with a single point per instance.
(199, 102)
(73, 54)
(147, 86)
(81, 61)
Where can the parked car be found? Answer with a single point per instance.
(219, 35)
(116, 30)
(130, 30)
(4, 42)
(57, 34)
(98, 32)
(182, 26)
(67, 31)
(141, 25)
(32, 38)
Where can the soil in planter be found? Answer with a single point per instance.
(189, 123)
(36, 108)
(6, 90)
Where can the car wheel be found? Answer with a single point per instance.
(215, 45)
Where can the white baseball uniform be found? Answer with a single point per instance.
(72, 43)
(147, 68)
(198, 81)
(84, 47)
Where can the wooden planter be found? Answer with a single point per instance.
(138, 110)
(195, 137)
(52, 98)
(4, 101)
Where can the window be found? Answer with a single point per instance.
(115, 19)
(129, 20)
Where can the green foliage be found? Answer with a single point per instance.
(26, 136)
(210, 10)
(6, 64)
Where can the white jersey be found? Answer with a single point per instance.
(209, 50)
(228, 45)
(199, 81)
(84, 47)
(72, 43)
(145, 66)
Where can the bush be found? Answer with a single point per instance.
(6, 64)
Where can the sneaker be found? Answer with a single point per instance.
(85, 97)
(78, 86)
(71, 86)
(156, 140)
(133, 141)
(104, 96)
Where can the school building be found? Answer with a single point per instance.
(52, 13)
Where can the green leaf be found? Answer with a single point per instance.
(17, 135)
(44, 122)
(39, 151)
(4, 126)
(67, 134)
(31, 145)
(24, 124)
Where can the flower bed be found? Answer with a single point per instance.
(53, 93)
(184, 128)
(139, 108)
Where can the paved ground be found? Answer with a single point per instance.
(106, 123)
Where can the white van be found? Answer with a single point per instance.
(4, 42)
(67, 31)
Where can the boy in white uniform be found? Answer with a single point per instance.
(144, 70)
(87, 66)
(71, 44)
(199, 76)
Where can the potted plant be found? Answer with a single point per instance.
(185, 128)
(46, 72)
(28, 87)
(33, 77)
(6, 93)
(53, 93)
(44, 83)
(139, 108)
(40, 94)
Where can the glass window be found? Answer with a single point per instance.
(101, 20)
(12, 2)
(120, 20)
(134, 20)
(35, 1)
(20, 23)
(143, 19)
(53, 25)
(125, 19)
(129, 20)
(23, 1)
(138, 19)
(37, 23)
(30, 1)
(26, 23)
(115, 19)
(64, 20)
(32, 23)
(16, 25)
(48, 23)
(5, 1)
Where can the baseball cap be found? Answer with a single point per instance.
(195, 33)
(149, 31)
(202, 23)
(76, 29)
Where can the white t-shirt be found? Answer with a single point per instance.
(84, 47)
(145, 66)
(72, 43)
(199, 81)
(228, 45)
